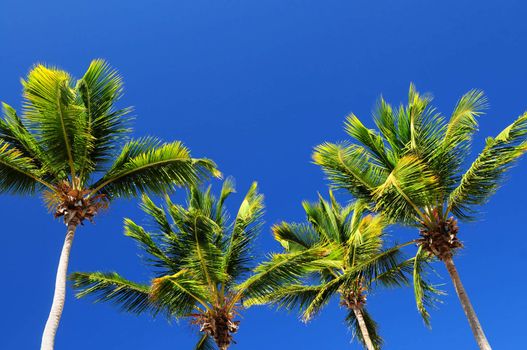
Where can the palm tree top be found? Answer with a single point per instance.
(198, 255)
(340, 250)
(71, 142)
(412, 168)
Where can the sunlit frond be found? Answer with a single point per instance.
(99, 90)
(485, 174)
(147, 165)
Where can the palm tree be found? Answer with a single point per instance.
(411, 170)
(198, 257)
(359, 262)
(68, 134)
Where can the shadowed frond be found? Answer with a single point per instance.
(111, 287)
(157, 256)
(18, 174)
(426, 294)
(409, 187)
(179, 293)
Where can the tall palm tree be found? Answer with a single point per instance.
(66, 146)
(411, 170)
(198, 255)
(360, 262)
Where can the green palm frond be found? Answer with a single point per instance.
(179, 293)
(484, 176)
(350, 167)
(285, 269)
(111, 287)
(371, 325)
(409, 187)
(426, 294)
(227, 189)
(247, 225)
(14, 132)
(371, 140)
(18, 174)
(157, 257)
(463, 122)
(156, 214)
(51, 112)
(99, 90)
(147, 165)
(295, 237)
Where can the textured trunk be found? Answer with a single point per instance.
(48, 337)
(481, 339)
(363, 328)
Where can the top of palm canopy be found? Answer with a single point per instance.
(71, 142)
(340, 250)
(412, 168)
(198, 256)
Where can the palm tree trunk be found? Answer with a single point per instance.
(364, 330)
(481, 339)
(48, 337)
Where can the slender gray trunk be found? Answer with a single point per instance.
(363, 328)
(481, 339)
(48, 337)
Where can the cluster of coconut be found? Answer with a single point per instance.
(354, 297)
(440, 237)
(75, 205)
(219, 324)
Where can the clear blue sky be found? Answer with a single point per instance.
(255, 85)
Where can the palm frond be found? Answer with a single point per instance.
(99, 90)
(370, 139)
(247, 225)
(350, 167)
(111, 287)
(484, 176)
(53, 115)
(18, 174)
(295, 237)
(157, 256)
(179, 293)
(146, 165)
(286, 269)
(409, 187)
(426, 294)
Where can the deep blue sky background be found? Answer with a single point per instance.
(255, 85)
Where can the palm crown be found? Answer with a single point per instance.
(356, 261)
(70, 132)
(411, 170)
(198, 257)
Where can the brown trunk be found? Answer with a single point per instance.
(59, 296)
(363, 329)
(481, 339)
